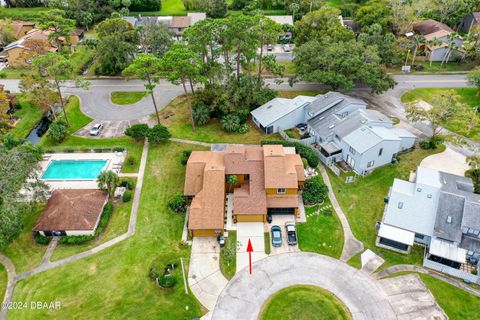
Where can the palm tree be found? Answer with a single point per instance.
(419, 40)
(108, 182)
(232, 181)
(433, 43)
(451, 45)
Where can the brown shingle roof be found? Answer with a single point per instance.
(208, 206)
(72, 210)
(279, 172)
(426, 27)
(18, 25)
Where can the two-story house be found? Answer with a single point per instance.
(267, 182)
(341, 128)
(440, 211)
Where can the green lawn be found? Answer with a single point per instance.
(21, 13)
(304, 303)
(228, 255)
(176, 117)
(125, 98)
(3, 281)
(117, 225)
(29, 115)
(437, 67)
(24, 252)
(321, 233)
(14, 73)
(362, 203)
(267, 243)
(114, 283)
(290, 94)
(468, 96)
(169, 7)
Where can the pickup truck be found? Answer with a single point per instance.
(291, 233)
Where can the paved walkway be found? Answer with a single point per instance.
(245, 294)
(7, 263)
(407, 267)
(351, 246)
(48, 254)
(204, 275)
(198, 143)
(47, 265)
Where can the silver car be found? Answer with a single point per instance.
(95, 131)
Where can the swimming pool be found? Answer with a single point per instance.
(74, 169)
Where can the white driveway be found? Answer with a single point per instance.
(279, 220)
(254, 232)
(204, 276)
(448, 161)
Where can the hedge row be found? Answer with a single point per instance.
(107, 212)
(304, 151)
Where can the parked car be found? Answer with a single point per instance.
(287, 48)
(95, 131)
(291, 233)
(221, 241)
(269, 218)
(276, 236)
(269, 47)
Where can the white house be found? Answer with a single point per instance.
(441, 212)
(340, 127)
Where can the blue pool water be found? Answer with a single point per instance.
(74, 169)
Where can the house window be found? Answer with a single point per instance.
(380, 152)
(370, 164)
(246, 177)
(352, 151)
(281, 191)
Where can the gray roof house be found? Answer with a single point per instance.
(441, 212)
(340, 128)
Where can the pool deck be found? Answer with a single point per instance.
(115, 162)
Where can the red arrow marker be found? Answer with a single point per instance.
(250, 250)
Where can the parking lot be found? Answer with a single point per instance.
(279, 220)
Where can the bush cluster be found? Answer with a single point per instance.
(107, 212)
(177, 203)
(127, 196)
(185, 155)
(315, 191)
(430, 143)
(41, 239)
(140, 131)
(58, 130)
(127, 184)
(303, 150)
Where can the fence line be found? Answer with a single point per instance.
(451, 271)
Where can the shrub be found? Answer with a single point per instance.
(305, 163)
(3, 75)
(68, 150)
(302, 150)
(131, 160)
(200, 113)
(431, 143)
(127, 184)
(137, 131)
(185, 155)
(167, 281)
(177, 203)
(58, 130)
(158, 134)
(315, 191)
(243, 128)
(230, 123)
(127, 196)
(118, 149)
(41, 239)
(145, 5)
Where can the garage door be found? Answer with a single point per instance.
(281, 210)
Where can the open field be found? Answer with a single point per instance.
(362, 203)
(176, 117)
(304, 302)
(114, 283)
(468, 96)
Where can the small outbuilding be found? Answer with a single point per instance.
(72, 212)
